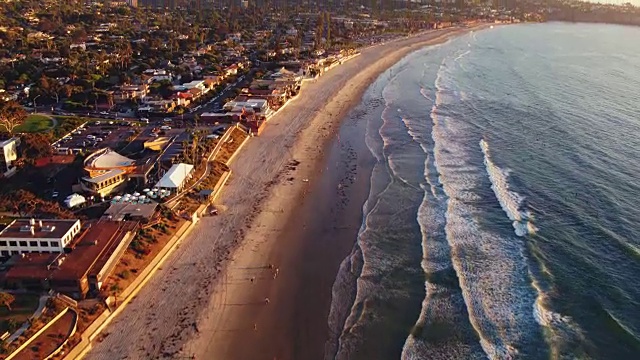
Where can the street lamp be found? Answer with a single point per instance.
(35, 107)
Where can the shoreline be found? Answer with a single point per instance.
(287, 330)
(200, 295)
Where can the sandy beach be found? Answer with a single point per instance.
(208, 300)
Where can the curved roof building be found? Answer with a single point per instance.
(107, 171)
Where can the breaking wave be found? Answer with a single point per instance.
(512, 203)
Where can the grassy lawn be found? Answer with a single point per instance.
(21, 310)
(35, 123)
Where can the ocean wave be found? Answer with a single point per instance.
(491, 266)
(511, 202)
(463, 54)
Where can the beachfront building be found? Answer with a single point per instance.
(260, 106)
(8, 155)
(37, 236)
(106, 172)
(80, 271)
(176, 178)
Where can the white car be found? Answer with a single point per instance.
(99, 139)
(165, 127)
(90, 137)
(144, 120)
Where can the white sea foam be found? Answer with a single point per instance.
(459, 57)
(491, 267)
(512, 203)
(441, 304)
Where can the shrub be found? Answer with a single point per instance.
(124, 274)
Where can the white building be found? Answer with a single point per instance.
(176, 177)
(258, 105)
(195, 84)
(8, 154)
(37, 236)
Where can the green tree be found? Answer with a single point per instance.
(12, 115)
(35, 146)
(6, 299)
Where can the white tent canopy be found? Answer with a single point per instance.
(176, 177)
(74, 200)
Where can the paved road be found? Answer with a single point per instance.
(164, 314)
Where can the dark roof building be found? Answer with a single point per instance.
(91, 260)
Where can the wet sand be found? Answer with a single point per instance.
(306, 242)
(203, 303)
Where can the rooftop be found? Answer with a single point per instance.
(32, 266)
(51, 229)
(107, 158)
(90, 254)
(108, 175)
(9, 141)
(175, 176)
(96, 242)
(119, 211)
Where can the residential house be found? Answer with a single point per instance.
(234, 37)
(212, 81)
(131, 92)
(260, 106)
(7, 96)
(231, 70)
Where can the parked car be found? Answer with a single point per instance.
(165, 127)
(144, 120)
(54, 194)
(99, 139)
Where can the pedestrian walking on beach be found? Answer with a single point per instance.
(275, 274)
(252, 279)
(270, 266)
(266, 300)
(255, 327)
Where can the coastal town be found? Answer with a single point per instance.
(120, 122)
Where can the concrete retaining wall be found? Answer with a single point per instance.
(131, 291)
(73, 331)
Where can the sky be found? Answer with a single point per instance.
(634, 2)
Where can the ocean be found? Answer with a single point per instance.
(502, 219)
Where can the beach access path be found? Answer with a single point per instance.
(188, 307)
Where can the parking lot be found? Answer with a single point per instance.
(96, 135)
